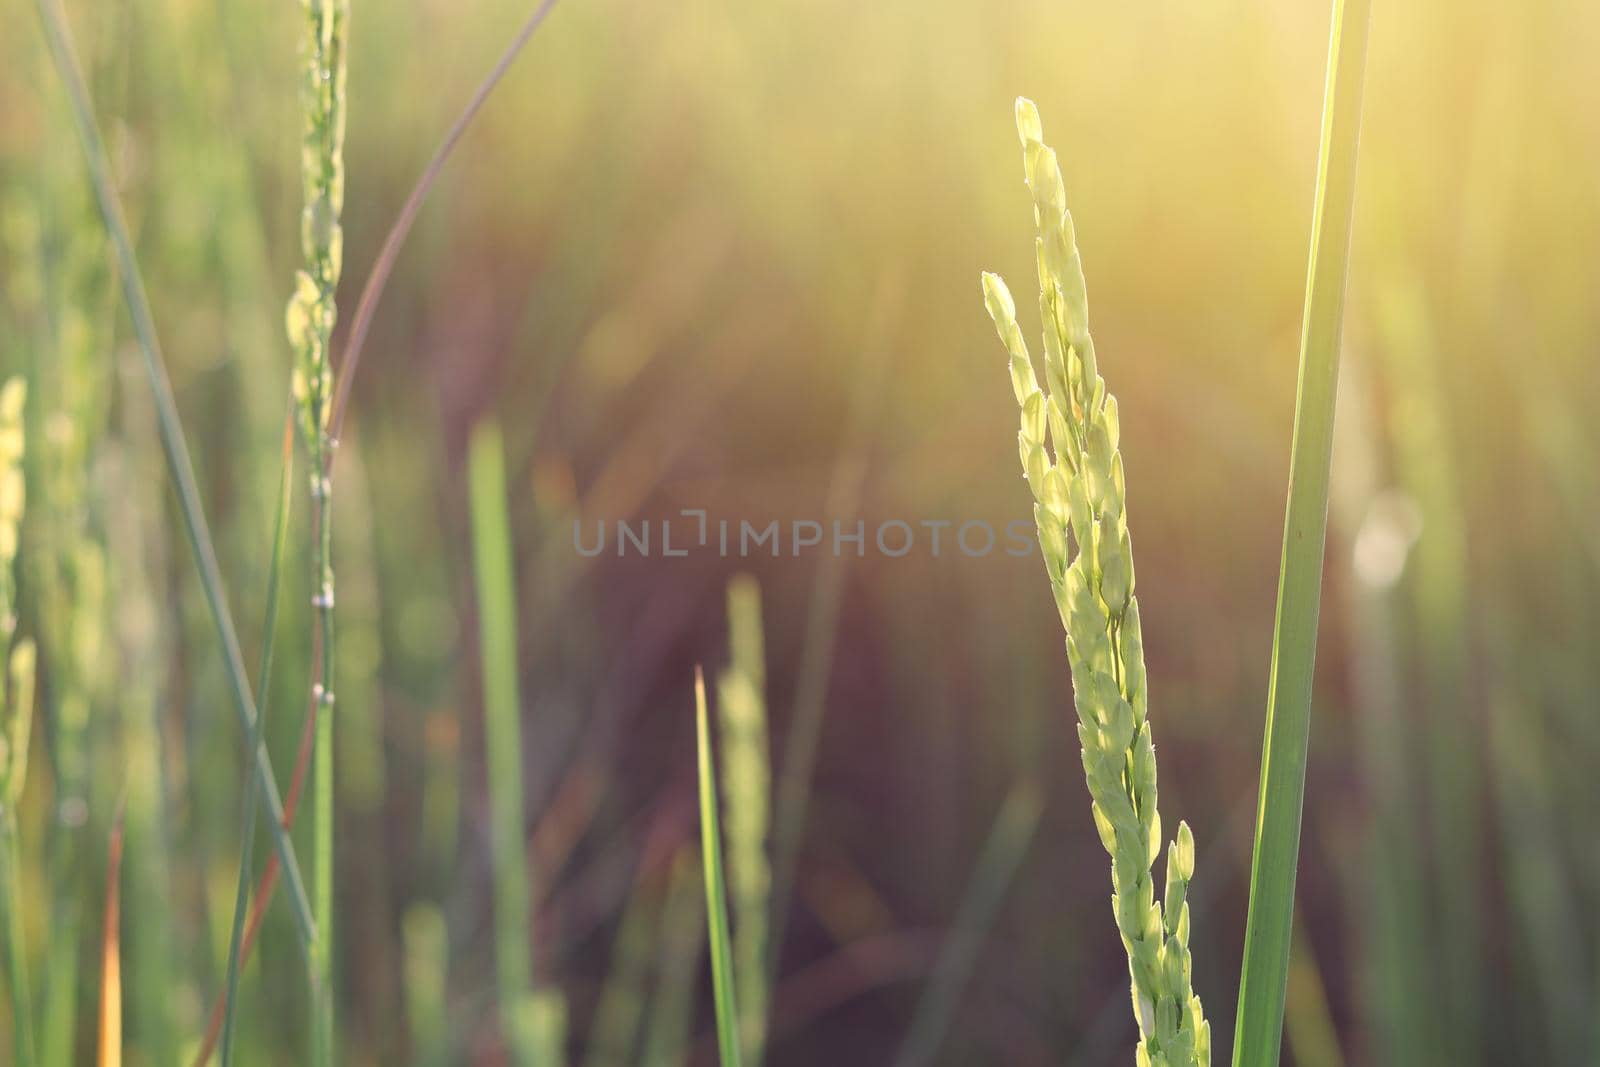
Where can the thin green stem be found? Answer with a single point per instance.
(247, 835)
(1258, 1034)
(322, 762)
(502, 707)
(173, 446)
(722, 980)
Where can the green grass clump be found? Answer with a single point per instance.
(1080, 503)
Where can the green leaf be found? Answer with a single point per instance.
(1258, 1034)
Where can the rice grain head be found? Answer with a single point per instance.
(1070, 459)
(311, 313)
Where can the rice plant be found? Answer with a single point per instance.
(1080, 501)
(311, 315)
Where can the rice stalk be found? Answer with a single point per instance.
(1258, 1033)
(16, 721)
(310, 320)
(1080, 499)
(724, 992)
(746, 786)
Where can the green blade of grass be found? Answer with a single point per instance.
(716, 888)
(247, 835)
(502, 710)
(1259, 1030)
(176, 452)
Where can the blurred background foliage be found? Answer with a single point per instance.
(722, 255)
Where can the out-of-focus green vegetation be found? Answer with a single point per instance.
(720, 255)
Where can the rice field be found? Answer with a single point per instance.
(512, 551)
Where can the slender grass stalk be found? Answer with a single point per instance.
(16, 720)
(1080, 498)
(746, 785)
(721, 940)
(1258, 1034)
(1002, 853)
(372, 291)
(110, 1049)
(502, 723)
(442, 786)
(310, 319)
(247, 830)
(174, 449)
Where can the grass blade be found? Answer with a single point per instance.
(716, 888)
(173, 446)
(502, 724)
(372, 291)
(1258, 1034)
(247, 834)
